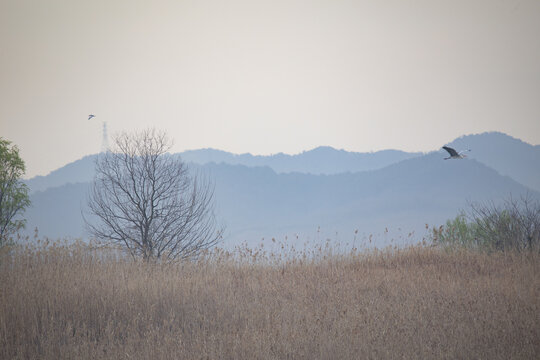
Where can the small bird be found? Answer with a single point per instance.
(91, 116)
(454, 154)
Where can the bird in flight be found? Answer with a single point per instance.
(91, 116)
(454, 154)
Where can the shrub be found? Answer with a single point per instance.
(456, 232)
(513, 225)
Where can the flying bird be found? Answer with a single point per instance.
(454, 154)
(91, 116)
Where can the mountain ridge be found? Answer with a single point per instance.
(328, 160)
(257, 202)
(508, 155)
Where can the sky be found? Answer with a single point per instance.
(266, 76)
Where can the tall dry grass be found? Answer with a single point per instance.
(75, 303)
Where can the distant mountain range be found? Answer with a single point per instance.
(322, 193)
(321, 160)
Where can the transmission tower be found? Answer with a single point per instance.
(105, 139)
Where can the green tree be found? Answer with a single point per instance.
(13, 192)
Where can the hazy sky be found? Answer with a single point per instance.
(266, 76)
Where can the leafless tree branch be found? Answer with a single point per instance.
(147, 201)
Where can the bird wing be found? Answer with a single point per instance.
(451, 151)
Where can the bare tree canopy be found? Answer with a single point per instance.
(511, 225)
(514, 225)
(147, 202)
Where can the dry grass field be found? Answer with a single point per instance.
(416, 303)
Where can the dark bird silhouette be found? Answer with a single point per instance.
(454, 154)
(91, 116)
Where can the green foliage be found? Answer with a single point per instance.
(13, 193)
(513, 226)
(456, 232)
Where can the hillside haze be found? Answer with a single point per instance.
(405, 195)
(256, 202)
(321, 160)
(509, 156)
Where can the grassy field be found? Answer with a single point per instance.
(74, 303)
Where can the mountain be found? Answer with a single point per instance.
(407, 195)
(322, 160)
(257, 202)
(317, 194)
(56, 212)
(508, 155)
(81, 170)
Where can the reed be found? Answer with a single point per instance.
(68, 302)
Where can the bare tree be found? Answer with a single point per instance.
(514, 225)
(146, 200)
